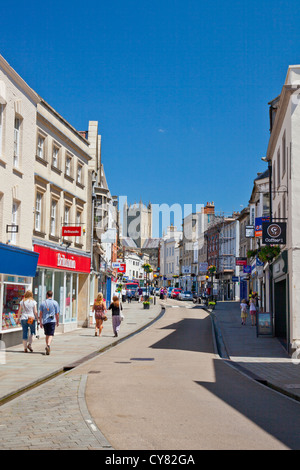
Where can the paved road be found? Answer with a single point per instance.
(166, 389)
(162, 389)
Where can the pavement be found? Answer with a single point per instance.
(37, 383)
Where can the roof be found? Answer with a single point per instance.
(127, 241)
(151, 243)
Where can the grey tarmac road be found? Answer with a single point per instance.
(166, 388)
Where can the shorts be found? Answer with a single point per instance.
(49, 328)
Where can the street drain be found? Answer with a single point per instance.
(94, 371)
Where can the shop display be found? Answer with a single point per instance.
(13, 294)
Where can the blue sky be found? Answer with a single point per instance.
(180, 88)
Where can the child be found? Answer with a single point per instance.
(244, 313)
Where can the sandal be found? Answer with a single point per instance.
(30, 348)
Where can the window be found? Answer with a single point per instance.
(41, 147)
(1, 127)
(68, 167)
(17, 142)
(78, 221)
(283, 154)
(38, 212)
(14, 222)
(278, 168)
(55, 152)
(53, 218)
(66, 215)
(79, 174)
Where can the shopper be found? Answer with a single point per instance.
(253, 310)
(116, 308)
(49, 318)
(123, 294)
(100, 310)
(129, 296)
(28, 312)
(244, 312)
(140, 293)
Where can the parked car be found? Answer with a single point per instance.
(185, 295)
(175, 292)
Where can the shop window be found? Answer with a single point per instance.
(12, 296)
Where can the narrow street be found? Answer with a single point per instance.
(166, 389)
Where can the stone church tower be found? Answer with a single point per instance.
(137, 222)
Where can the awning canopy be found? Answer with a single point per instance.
(17, 261)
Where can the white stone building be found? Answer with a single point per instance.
(169, 256)
(283, 153)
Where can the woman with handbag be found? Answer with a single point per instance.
(117, 317)
(100, 310)
(28, 313)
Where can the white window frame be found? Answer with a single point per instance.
(79, 174)
(38, 212)
(17, 130)
(14, 222)
(41, 147)
(53, 217)
(1, 128)
(68, 167)
(55, 153)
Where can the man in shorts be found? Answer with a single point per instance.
(49, 318)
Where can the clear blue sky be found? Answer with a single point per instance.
(179, 87)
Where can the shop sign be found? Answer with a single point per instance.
(235, 279)
(247, 269)
(71, 231)
(115, 265)
(264, 324)
(250, 231)
(258, 225)
(203, 267)
(241, 261)
(55, 259)
(274, 233)
(122, 268)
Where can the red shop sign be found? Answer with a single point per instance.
(70, 231)
(122, 268)
(55, 259)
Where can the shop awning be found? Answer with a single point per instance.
(17, 261)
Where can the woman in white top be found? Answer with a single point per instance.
(28, 313)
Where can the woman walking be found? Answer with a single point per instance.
(28, 313)
(253, 310)
(116, 308)
(100, 310)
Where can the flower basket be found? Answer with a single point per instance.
(146, 304)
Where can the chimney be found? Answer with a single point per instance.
(209, 208)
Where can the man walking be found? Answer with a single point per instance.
(49, 317)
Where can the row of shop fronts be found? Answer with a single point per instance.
(45, 268)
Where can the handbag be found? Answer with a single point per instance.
(30, 320)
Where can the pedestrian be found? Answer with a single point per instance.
(49, 318)
(116, 308)
(165, 293)
(129, 296)
(100, 310)
(253, 310)
(123, 294)
(28, 315)
(161, 293)
(244, 313)
(140, 292)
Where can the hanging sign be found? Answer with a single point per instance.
(69, 231)
(274, 233)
